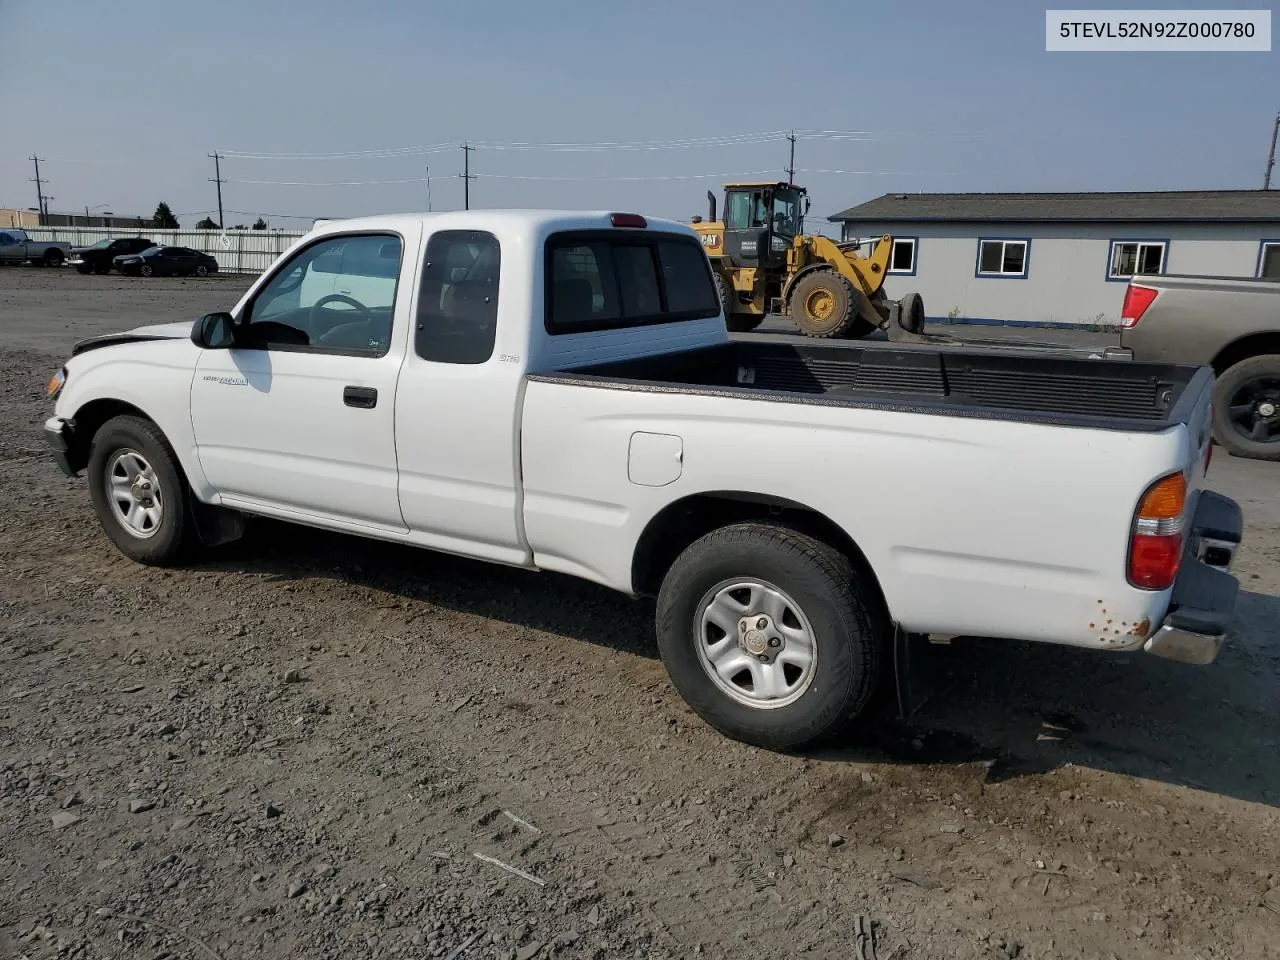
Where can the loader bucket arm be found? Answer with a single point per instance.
(865, 274)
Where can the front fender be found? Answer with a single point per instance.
(154, 379)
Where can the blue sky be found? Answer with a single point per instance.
(124, 101)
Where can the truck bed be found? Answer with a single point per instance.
(1057, 390)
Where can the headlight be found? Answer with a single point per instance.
(56, 383)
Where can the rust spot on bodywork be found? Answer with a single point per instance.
(1141, 629)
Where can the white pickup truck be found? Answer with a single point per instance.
(558, 391)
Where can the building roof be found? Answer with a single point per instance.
(1167, 206)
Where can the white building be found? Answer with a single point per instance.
(1052, 259)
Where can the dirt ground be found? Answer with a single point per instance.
(316, 746)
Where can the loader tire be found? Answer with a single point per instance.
(822, 305)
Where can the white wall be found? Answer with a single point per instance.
(1066, 281)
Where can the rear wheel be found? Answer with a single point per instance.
(139, 492)
(145, 270)
(53, 257)
(1246, 408)
(84, 268)
(823, 305)
(770, 636)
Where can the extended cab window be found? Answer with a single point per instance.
(335, 296)
(458, 297)
(607, 280)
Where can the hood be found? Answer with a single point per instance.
(159, 331)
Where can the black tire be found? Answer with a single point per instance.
(1240, 394)
(175, 532)
(841, 320)
(911, 313)
(102, 268)
(84, 268)
(145, 270)
(735, 322)
(53, 257)
(850, 635)
(201, 270)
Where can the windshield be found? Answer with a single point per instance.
(101, 245)
(786, 214)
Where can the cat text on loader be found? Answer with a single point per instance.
(765, 263)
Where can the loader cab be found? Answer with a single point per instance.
(760, 221)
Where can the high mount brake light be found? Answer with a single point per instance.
(628, 220)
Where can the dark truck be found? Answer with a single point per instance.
(1229, 323)
(99, 257)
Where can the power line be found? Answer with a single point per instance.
(725, 140)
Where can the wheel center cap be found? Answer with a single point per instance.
(756, 642)
(141, 490)
(1266, 409)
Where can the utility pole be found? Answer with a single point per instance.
(791, 166)
(428, 188)
(40, 200)
(1271, 157)
(217, 178)
(467, 175)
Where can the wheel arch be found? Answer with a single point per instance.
(88, 420)
(681, 522)
(1245, 347)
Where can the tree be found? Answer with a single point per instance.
(163, 218)
(259, 224)
(239, 226)
(207, 224)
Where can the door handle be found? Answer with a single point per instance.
(363, 397)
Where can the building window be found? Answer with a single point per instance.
(1130, 258)
(1003, 258)
(1269, 259)
(903, 258)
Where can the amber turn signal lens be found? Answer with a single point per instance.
(55, 383)
(1164, 499)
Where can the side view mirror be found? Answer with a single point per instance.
(214, 331)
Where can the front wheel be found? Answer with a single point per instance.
(823, 305)
(145, 270)
(53, 258)
(770, 636)
(139, 492)
(84, 268)
(201, 270)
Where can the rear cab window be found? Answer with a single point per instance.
(613, 279)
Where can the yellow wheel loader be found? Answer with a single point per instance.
(765, 263)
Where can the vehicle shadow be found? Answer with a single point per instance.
(1021, 708)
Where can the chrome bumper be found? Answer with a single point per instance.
(1204, 595)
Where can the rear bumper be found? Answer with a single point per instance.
(1204, 595)
(58, 432)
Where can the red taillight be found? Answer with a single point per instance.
(628, 220)
(1155, 546)
(1136, 301)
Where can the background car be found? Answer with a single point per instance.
(100, 257)
(167, 262)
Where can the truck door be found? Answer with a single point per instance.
(299, 417)
(457, 426)
(11, 248)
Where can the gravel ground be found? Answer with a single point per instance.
(310, 745)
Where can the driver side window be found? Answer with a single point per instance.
(335, 296)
